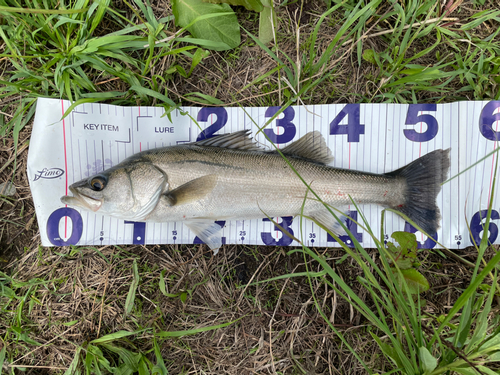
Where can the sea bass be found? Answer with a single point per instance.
(230, 177)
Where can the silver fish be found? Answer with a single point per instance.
(229, 177)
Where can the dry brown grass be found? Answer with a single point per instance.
(75, 295)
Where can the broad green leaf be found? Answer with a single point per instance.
(369, 56)
(429, 362)
(131, 359)
(2, 355)
(222, 27)
(481, 322)
(194, 331)
(160, 367)
(388, 350)
(154, 94)
(267, 22)
(205, 98)
(114, 336)
(129, 303)
(41, 11)
(255, 5)
(407, 241)
(161, 284)
(492, 344)
(72, 366)
(417, 283)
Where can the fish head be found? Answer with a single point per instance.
(128, 192)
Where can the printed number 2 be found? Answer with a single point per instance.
(221, 114)
(286, 123)
(53, 226)
(353, 128)
(412, 118)
(268, 238)
(477, 226)
(488, 118)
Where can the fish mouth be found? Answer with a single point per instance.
(81, 200)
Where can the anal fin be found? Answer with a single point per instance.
(325, 218)
(208, 231)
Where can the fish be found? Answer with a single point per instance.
(231, 177)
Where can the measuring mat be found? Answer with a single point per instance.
(377, 138)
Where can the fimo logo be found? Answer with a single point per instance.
(48, 173)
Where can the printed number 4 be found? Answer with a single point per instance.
(353, 128)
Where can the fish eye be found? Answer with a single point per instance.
(98, 183)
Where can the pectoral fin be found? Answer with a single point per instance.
(191, 191)
(208, 231)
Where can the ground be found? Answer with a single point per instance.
(248, 309)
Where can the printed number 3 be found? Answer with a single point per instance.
(268, 238)
(412, 118)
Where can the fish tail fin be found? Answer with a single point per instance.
(424, 177)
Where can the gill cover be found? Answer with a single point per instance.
(147, 183)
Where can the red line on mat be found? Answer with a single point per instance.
(65, 168)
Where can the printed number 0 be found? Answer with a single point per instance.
(285, 123)
(268, 238)
(477, 226)
(412, 118)
(487, 119)
(221, 114)
(53, 226)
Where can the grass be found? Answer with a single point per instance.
(176, 309)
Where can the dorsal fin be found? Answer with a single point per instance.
(311, 146)
(240, 140)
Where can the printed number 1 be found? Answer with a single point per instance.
(139, 236)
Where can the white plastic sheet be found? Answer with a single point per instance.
(368, 137)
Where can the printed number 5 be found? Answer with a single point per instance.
(412, 118)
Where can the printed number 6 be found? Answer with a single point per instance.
(477, 226)
(412, 118)
(53, 226)
(487, 119)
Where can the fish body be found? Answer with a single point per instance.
(229, 177)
